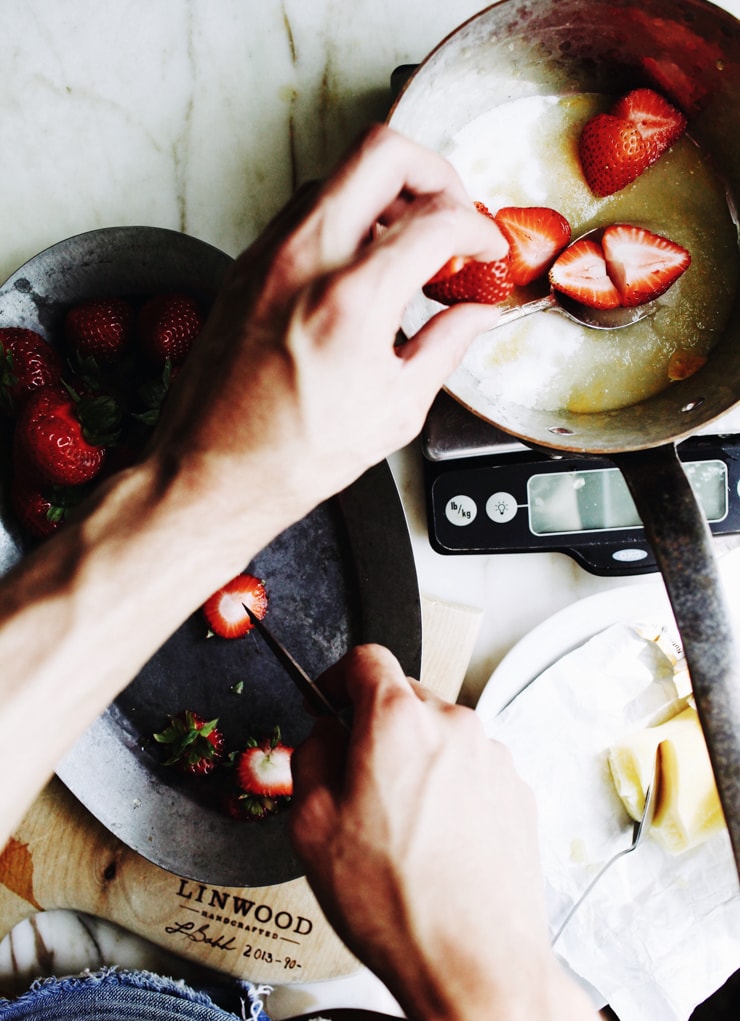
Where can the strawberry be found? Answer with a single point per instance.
(249, 807)
(535, 234)
(168, 325)
(580, 272)
(612, 152)
(264, 769)
(100, 328)
(27, 363)
(465, 279)
(659, 123)
(224, 610)
(51, 440)
(194, 745)
(641, 264)
(40, 510)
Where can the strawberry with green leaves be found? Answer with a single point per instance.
(41, 510)
(192, 744)
(168, 326)
(63, 437)
(27, 363)
(224, 610)
(100, 328)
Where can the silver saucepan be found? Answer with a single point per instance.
(520, 48)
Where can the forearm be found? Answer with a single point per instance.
(81, 615)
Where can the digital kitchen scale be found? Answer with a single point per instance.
(488, 493)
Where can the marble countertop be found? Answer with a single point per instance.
(203, 116)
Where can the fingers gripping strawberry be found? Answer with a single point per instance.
(465, 279)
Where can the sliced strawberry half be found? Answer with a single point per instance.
(581, 273)
(612, 152)
(641, 264)
(264, 769)
(224, 610)
(466, 279)
(536, 234)
(659, 123)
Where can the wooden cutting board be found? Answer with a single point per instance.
(61, 857)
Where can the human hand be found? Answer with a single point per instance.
(296, 374)
(419, 840)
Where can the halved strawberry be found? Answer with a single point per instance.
(580, 272)
(264, 769)
(612, 152)
(225, 612)
(27, 363)
(100, 328)
(659, 123)
(194, 745)
(642, 265)
(535, 234)
(465, 279)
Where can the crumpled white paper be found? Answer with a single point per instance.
(659, 933)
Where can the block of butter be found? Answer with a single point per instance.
(688, 808)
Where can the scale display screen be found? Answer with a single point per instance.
(598, 500)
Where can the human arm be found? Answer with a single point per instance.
(420, 842)
(293, 389)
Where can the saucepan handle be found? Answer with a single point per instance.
(679, 535)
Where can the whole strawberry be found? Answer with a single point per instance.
(100, 328)
(193, 745)
(27, 363)
(40, 510)
(168, 325)
(62, 438)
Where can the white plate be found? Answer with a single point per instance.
(565, 631)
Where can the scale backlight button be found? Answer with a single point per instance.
(461, 510)
(501, 507)
(629, 555)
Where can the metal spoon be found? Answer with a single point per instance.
(596, 318)
(638, 832)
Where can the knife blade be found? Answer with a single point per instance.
(307, 687)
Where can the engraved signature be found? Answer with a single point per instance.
(201, 934)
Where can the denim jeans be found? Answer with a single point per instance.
(116, 995)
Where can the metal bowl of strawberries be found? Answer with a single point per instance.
(92, 332)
